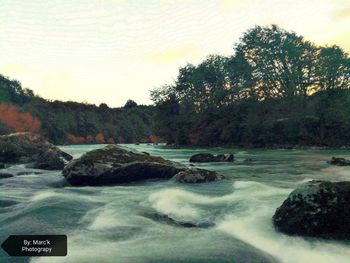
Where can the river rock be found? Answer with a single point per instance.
(339, 161)
(50, 160)
(5, 175)
(28, 173)
(28, 147)
(162, 218)
(208, 157)
(195, 175)
(114, 165)
(316, 209)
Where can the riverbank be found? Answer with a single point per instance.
(251, 147)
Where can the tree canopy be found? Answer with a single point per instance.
(71, 122)
(263, 94)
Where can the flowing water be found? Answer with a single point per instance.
(108, 224)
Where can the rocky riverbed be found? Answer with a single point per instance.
(163, 220)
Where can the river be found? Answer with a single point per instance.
(108, 224)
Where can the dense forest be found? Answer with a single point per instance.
(72, 122)
(276, 90)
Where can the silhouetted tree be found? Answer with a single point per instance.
(130, 104)
(266, 93)
(333, 68)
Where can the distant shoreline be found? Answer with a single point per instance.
(279, 147)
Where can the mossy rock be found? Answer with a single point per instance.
(316, 209)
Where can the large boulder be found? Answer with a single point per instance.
(316, 209)
(195, 175)
(31, 148)
(208, 157)
(339, 161)
(115, 165)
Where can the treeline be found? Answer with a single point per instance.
(277, 89)
(72, 122)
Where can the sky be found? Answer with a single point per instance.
(110, 51)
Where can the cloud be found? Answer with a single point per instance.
(13, 69)
(341, 14)
(231, 4)
(168, 56)
(342, 10)
(342, 40)
(50, 83)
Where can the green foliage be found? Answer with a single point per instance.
(276, 89)
(72, 122)
(85, 120)
(130, 104)
(333, 68)
(4, 129)
(11, 91)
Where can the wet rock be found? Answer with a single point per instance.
(7, 203)
(165, 219)
(208, 157)
(5, 175)
(339, 161)
(196, 175)
(28, 173)
(115, 165)
(316, 209)
(50, 160)
(18, 148)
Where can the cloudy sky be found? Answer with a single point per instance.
(112, 50)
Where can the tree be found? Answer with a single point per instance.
(64, 122)
(277, 88)
(282, 62)
(130, 104)
(241, 81)
(103, 106)
(333, 68)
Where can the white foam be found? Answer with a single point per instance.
(181, 203)
(176, 203)
(43, 195)
(253, 225)
(258, 232)
(105, 219)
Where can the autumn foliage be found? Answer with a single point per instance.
(99, 138)
(154, 139)
(19, 121)
(72, 139)
(71, 122)
(194, 138)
